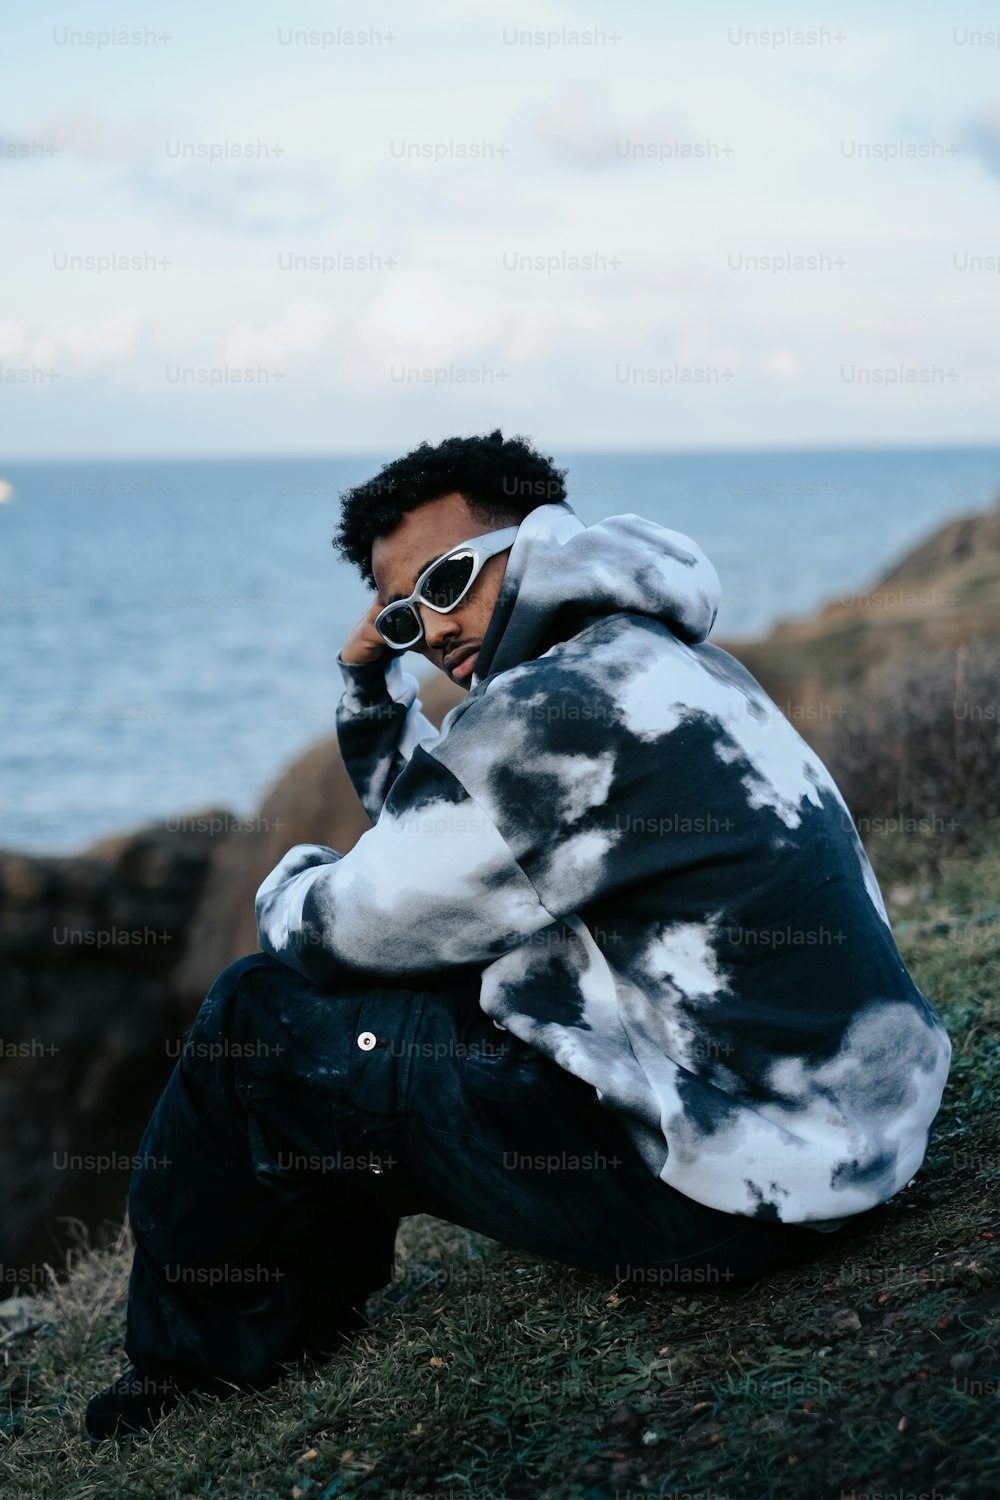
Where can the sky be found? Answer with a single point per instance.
(316, 228)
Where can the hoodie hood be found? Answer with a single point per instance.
(562, 574)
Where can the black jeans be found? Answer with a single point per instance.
(299, 1125)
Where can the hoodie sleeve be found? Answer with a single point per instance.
(379, 723)
(432, 886)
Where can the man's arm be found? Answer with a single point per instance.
(432, 886)
(379, 722)
(379, 719)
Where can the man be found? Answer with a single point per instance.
(610, 978)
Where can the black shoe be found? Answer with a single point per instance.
(136, 1402)
(331, 1330)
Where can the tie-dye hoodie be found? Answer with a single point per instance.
(654, 877)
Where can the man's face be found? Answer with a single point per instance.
(400, 557)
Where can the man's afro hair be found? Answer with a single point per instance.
(500, 479)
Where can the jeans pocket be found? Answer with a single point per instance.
(503, 1067)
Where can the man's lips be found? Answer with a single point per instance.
(465, 665)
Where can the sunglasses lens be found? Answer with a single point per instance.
(449, 580)
(400, 626)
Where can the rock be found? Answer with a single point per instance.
(23, 880)
(87, 1004)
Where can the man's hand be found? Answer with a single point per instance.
(364, 644)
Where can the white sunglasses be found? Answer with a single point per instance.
(441, 586)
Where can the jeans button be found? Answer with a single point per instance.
(367, 1040)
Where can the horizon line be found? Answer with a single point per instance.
(372, 454)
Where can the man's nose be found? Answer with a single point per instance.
(438, 628)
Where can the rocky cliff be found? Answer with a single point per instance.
(941, 595)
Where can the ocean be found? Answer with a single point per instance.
(170, 628)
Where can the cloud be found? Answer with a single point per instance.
(83, 133)
(11, 338)
(299, 329)
(783, 365)
(426, 316)
(580, 129)
(896, 327)
(982, 134)
(265, 197)
(106, 340)
(110, 340)
(264, 194)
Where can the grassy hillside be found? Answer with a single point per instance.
(943, 594)
(489, 1373)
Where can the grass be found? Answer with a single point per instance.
(489, 1373)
